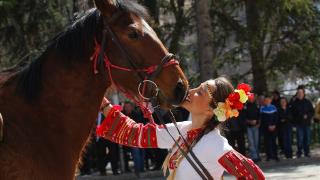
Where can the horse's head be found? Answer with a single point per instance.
(136, 53)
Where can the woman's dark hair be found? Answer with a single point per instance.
(284, 99)
(221, 90)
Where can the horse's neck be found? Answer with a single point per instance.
(59, 121)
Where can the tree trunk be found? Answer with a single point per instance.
(178, 27)
(258, 71)
(153, 8)
(75, 7)
(205, 54)
(90, 3)
(255, 42)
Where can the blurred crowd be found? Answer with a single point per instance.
(268, 125)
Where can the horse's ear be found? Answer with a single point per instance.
(106, 7)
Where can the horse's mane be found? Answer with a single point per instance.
(70, 44)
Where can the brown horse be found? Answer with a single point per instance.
(50, 106)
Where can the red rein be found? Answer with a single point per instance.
(148, 70)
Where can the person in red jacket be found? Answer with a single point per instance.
(213, 102)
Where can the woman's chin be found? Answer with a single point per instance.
(186, 105)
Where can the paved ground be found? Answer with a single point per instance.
(310, 172)
(303, 168)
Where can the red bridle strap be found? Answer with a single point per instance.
(148, 70)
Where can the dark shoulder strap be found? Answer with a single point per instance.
(204, 169)
(194, 166)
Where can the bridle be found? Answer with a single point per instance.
(144, 74)
(147, 74)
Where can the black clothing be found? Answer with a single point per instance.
(284, 117)
(299, 108)
(276, 102)
(237, 141)
(235, 133)
(250, 113)
(104, 158)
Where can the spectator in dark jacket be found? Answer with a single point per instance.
(138, 154)
(286, 127)
(276, 99)
(276, 102)
(302, 112)
(269, 120)
(107, 151)
(251, 118)
(235, 133)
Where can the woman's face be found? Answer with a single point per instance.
(199, 99)
(283, 103)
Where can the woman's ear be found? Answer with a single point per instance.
(210, 112)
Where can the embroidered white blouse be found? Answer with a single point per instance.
(213, 150)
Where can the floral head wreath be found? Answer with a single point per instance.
(230, 108)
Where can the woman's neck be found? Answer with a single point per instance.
(198, 121)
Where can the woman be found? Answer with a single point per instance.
(211, 103)
(286, 127)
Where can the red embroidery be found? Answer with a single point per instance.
(174, 159)
(193, 133)
(100, 131)
(149, 137)
(240, 166)
(123, 130)
(191, 136)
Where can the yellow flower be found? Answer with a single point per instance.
(243, 95)
(220, 112)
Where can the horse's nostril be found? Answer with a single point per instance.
(180, 83)
(180, 92)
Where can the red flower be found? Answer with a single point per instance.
(250, 95)
(245, 87)
(237, 105)
(234, 97)
(117, 107)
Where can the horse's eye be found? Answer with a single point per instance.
(133, 35)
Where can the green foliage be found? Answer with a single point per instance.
(25, 26)
(286, 32)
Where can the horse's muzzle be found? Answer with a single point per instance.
(180, 93)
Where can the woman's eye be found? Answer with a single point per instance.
(133, 35)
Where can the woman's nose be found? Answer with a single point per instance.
(191, 92)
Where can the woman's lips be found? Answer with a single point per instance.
(188, 99)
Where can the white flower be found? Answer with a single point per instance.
(220, 112)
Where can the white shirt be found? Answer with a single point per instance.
(208, 150)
